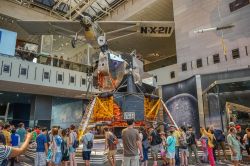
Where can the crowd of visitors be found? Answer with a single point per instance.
(55, 147)
(176, 146)
(13, 143)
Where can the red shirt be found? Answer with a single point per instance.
(37, 131)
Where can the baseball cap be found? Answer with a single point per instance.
(231, 124)
(238, 127)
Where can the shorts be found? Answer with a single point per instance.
(171, 155)
(72, 150)
(238, 157)
(221, 145)
(184, 151)
(40, 159)
(155, 150)
(58, 158)
(111, 153)
(131, 161)
(86, 155)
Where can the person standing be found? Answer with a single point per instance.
(10, 152)
(163, 148)
(145, 145)
(177, 135)
(234, 145)
(155, 143)
(183, 146)
(171, 147)
(56, 147)
(2, 138)
(7, 135)
(21, 132)
(246, 140)
(110, 144)
(192, 147)
(220, 137)
(72, 145)
(88, 141)
(204, 146)
(15, 142)
(42, 148)
(65, 147)
(131, 144)
(210, 147)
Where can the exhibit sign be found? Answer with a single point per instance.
(7, 42)
(157, 29)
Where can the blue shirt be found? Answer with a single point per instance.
(171, 142)
(15, 140)
(87, 137)
(21, 132)
(41, 139)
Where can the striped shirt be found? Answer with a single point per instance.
(4, 152)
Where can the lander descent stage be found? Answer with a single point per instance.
(123, 96)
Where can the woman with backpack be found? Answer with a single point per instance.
(56, 147)
(145, 145)
(65, 147)
(183, 146)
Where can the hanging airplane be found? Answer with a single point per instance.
(97, 33)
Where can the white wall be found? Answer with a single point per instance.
(190, 15)
(163, 74)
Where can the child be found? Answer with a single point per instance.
(15, 142)
(204, 142)
(162, 148)
(171, 142)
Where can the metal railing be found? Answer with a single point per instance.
(53, 61)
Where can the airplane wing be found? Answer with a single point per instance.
(63, 27)
(118, 29)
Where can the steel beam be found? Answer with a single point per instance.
(88, 4)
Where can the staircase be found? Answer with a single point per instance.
(87, 115)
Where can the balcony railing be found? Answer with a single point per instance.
(53, 61)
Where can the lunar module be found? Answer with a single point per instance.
(124, 96)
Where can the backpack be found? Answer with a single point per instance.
(112, 140)
(156, 140)
(190, 139)
(2, 139)
(219, 135)
(64, 150)
(89, 143)
(75, 142)
(204, 142)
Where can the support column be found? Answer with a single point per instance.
(200, 100)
